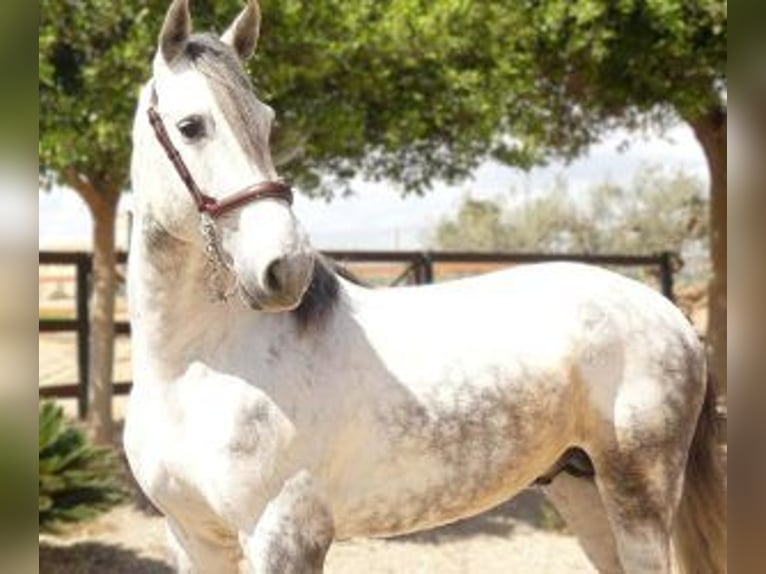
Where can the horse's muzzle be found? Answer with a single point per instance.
(281, 286)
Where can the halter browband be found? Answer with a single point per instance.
(205, 203)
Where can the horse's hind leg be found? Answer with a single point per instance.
(642, 532)
(641, 490)
(578, 501)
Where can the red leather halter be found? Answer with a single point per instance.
(205, 203)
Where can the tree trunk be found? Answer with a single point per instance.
(102, 303)
(710, 131)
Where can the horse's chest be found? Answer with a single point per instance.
(212, 443)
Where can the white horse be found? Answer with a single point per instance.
(310, 408)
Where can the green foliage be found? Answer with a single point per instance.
(92, 56)
(359, 86)
(77, 481)
(479, 226)
(626, 62)
(659, 211)
(401, 89)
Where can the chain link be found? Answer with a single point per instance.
(218, 267)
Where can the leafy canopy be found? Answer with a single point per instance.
(401, 89)
(629, 60)
(92, 55)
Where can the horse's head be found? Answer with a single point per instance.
(214, 121)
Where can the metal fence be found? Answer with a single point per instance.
(420, 267)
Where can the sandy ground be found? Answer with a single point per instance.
(515, 537)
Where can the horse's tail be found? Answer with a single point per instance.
(700, 530)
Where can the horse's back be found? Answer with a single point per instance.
(550, 308)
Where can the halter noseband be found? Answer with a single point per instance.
(205, 203)
(210, 208)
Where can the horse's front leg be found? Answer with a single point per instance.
(203, 552)
(294, 532)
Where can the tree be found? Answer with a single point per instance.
(658, 211)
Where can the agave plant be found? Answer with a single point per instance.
(77, 480)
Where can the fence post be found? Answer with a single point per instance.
(84, 264)
(426, 268)
(666, 274)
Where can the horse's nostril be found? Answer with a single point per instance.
(274, 277)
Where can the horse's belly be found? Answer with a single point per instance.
(424, 465)
(430, 493)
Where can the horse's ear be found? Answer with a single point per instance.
(175, 30)
(242, 35)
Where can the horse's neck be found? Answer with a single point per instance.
(175, 322)
(173, 318)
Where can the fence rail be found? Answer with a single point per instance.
(420, 269)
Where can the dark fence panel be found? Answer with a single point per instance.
(420, 269)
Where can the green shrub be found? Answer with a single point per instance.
(77, 480)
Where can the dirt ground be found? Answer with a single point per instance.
(522, 536)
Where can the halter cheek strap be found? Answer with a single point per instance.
(205, 203)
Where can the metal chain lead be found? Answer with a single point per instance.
(217, 264)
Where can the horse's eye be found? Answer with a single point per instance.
(192, 128)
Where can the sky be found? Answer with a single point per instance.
(377, 217)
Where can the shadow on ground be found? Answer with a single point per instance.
(96, 558)
(527, 511)
(529, 508)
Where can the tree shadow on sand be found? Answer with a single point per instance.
(529, 508)
(96, 558)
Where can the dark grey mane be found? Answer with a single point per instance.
(322, 295)
(234, 93)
